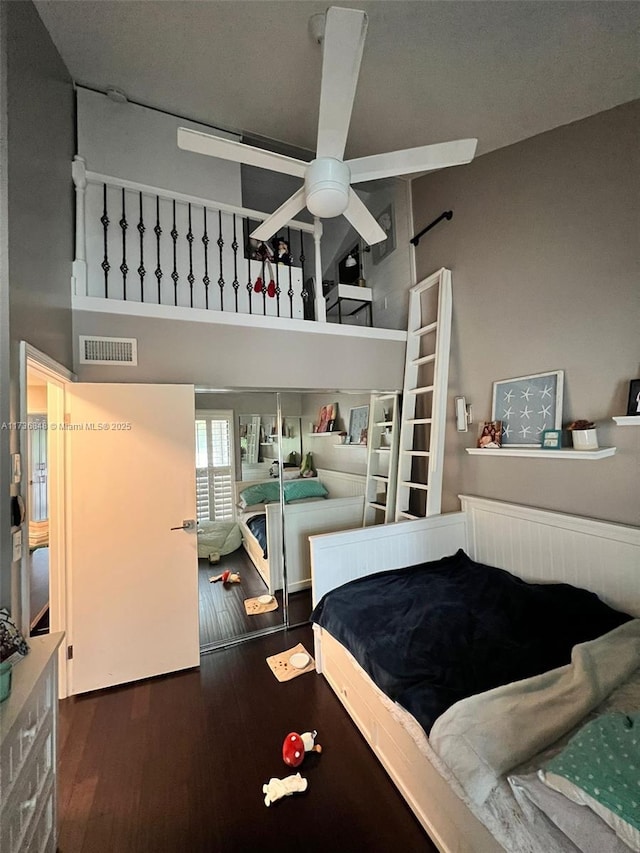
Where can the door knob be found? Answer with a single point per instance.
(187, 524)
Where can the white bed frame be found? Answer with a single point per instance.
(537, 545)
(342, 510)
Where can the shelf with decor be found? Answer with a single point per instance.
(537, 452)
(627, 420)
(323, 434)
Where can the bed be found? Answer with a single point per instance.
(341, 510)
(536, 545)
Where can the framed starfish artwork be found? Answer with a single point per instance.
(527, 407)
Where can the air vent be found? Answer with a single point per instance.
(98, 350)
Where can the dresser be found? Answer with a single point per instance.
(28, 733)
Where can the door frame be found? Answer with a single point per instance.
(57, 378)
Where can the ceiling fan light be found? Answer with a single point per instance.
(327, 187)
(328, 201)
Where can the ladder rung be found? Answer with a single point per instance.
(424, 330)
(415, 452)
(426, 389)
(380, 478)
(425, 359)
(409, 516)
(377, 505)
(409, 485)
(418, 420)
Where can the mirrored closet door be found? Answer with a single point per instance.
(241, 576)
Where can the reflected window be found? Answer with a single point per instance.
(214, 466)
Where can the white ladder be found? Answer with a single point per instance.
(424, 409)
(383, 437)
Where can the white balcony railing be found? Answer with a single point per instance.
(140, 244)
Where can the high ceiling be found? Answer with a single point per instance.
(498, 70)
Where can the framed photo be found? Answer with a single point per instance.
(633, 406)
(275, 250)
(358, 425)
(386, 221)
(552, 439)
(490, 435)
(527, 406)
(326, 418)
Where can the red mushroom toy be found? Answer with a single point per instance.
(295, 746)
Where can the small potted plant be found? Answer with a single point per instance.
(584, 435)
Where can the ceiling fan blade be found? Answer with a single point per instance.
(425, 158)
(344, 35)
(363, 221)
(280, 217)
(227, 149)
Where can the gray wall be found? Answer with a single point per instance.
(41, 147)
(37, 230)
(226, 356)
(139, 144)
(545, 256)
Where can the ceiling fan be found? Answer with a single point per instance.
(327, 190)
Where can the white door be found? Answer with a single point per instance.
(133, 587)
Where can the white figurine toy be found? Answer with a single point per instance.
(276, 788)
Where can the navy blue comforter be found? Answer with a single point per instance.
(433, 634)
(257, 524)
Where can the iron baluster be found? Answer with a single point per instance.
(205, 279)
(304, 293)
(190, 278)
(220, 243)
(124, 269)
(141, 270)
(249, 283)
(234, 246)
(158, 231)
(174, 274)
(106, 266)
(290, 291)
(277, 286)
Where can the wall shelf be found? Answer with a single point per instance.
(323, 434)
(628, 420)
(362, 446)
(536, 452)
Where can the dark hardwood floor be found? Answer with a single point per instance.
(177, 764)
(222, 613)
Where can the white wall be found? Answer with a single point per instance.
(139, 144)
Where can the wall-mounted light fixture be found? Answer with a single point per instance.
(464, 415)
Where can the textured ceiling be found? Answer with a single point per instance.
(497, 70)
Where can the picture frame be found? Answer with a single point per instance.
(633, 404)
(490, 435)
(528, 406)
(358, 425)
(275, 250)
(386, 220)
(551, 439)
(326, 418)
